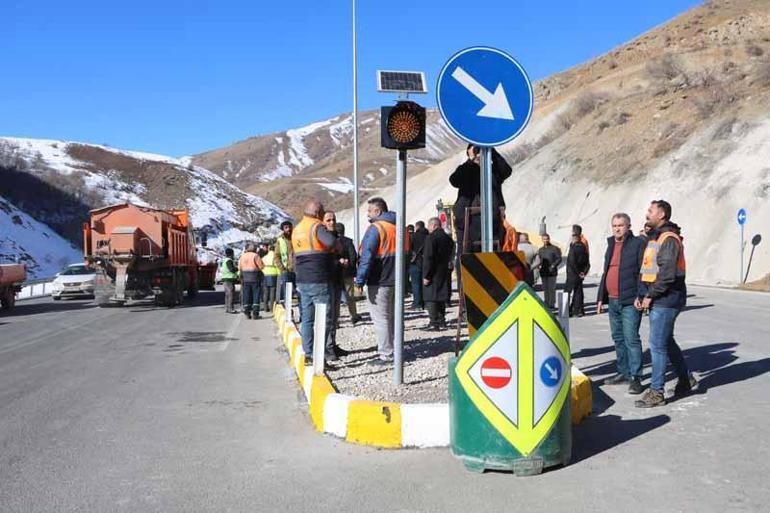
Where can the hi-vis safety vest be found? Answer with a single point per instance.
(312, 259)
(284, 247)
(225, 273)
(650, 269)
(269, 260)
(304, 238)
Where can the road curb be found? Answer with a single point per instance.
(385, 424)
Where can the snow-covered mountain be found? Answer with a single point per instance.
(57, 183)
(23, 239)
(316, 160)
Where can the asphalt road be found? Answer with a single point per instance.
(145, 409)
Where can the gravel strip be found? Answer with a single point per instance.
(426, 356)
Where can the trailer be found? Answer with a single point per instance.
(12, 276)
(141, 252)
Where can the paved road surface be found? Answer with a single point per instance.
(142, 409)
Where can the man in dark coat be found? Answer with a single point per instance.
(548, 260)
(348, 261)
(415, 264)
(436, 260)
(467, 179)
(577, 268)
(618, 289)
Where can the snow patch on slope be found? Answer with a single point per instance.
(43, 250)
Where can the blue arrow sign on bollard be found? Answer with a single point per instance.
(485, 96)
(742, 216)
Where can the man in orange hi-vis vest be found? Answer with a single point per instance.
(377, 270)
(313, 265)
(662, 292)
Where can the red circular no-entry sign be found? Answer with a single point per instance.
(496, 372)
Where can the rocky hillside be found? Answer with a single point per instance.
(681, 113)
(57, 183)
(316, 160)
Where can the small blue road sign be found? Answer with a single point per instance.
(484, 96)
(550, 371)
(742, 216)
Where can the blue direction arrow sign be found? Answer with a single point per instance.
(550, 371)
(484, 96)
(742, 216)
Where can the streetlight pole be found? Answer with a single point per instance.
(356, 225)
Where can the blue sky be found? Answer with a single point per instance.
(179, 77)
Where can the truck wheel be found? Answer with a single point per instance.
(8, 299)
(192, 292)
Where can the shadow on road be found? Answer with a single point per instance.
(65, 305)
(202, 336)
(592, 351)
(204, 298)
(595, 435)
(714, 365)
(696, 307)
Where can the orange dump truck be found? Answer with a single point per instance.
(141, 252)
(11, 278)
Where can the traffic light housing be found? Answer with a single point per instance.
(402, 127)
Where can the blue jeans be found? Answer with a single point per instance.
(415, 275)
(624, 325)
(311, 294)
(283, 279)
(663, 347)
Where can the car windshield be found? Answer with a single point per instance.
(76, 270)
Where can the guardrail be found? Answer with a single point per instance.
(35, 288)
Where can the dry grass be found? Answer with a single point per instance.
(666, 68)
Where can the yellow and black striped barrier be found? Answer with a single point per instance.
(488, 279)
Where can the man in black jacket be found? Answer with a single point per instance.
(577, 268)
(415, 265)
(467, 179)
(618, 289)
(548, 260)
(348, 261)
(436, 258)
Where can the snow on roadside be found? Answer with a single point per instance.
(43, 250)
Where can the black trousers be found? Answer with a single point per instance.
(251, 292)
(436, 312)
(577, 304)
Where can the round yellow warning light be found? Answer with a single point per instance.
(404, 125)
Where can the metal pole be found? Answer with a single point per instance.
(748, 267)
(398, 324)
(356, 214)
(562, 303)
(487, 238)
(740, 278)
(287, 300)
(319, 338)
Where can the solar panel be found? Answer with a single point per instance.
(401, 82)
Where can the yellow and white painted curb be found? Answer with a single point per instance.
(385, 424)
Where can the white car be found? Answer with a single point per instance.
(76, 280)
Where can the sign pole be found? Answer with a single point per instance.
(743, 243)
(356, 213)
(487, 238)
(398, 324)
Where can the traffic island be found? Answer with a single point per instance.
(383, 423)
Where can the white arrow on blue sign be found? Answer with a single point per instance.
(742, 216)
(484, 96)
